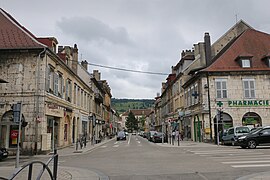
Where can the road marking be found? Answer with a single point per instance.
(239, 156)
(251, 165)
(103, 146)
(115, 142)
(139, 142)
(129, 139)
(244, 162)
(116, 145)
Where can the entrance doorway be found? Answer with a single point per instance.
(9, 130)
(223, 124)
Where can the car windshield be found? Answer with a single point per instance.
(242, 130)
(121, 133)
(254, 130)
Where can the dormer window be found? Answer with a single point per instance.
(246, 63)
(266, 59)
(244, 60)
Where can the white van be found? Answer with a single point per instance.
(232, 134)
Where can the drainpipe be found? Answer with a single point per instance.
(37, 94)
(209, 106)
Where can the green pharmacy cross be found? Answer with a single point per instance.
(219, 103)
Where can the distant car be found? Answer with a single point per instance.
(157, 137)
(121, 136)
(3, 153)
(232, 134)
(150, 135)
(256, 137)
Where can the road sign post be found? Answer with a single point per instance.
(17, 116)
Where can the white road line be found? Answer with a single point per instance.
(249, 159)
(129, 139)
(116, 145)
(139, 142)
(115, 142)
(251, 165)
(244, 162)
(239, 156)
(103, 146)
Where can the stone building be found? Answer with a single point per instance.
(230, 75)
(57, 93)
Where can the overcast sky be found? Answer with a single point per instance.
(143, 35)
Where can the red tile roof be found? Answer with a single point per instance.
(15, 36)
(138, 112)
(252, 43)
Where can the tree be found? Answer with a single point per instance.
(131, 122)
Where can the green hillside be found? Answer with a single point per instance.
(123, 105)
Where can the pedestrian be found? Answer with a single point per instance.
(173, 137)
(177, 135)
(100, 135)
(84, 140)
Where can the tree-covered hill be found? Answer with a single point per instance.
(123, 105)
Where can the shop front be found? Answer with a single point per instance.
(57, 127)
(9, 131)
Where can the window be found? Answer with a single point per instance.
(249, 88)
(82, 98)
(221, 88)
(75, 94)
(246, 63)
(68, 90)
(50, 79)
(61, 85)
(55, 84)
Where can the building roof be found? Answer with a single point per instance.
(252, 43)
(15, 36)
(138, 112)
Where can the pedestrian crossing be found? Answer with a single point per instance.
(236, 158)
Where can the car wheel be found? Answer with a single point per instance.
(252, 144)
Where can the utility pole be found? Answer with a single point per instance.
(17, 116)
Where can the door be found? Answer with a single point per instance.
(264, 136)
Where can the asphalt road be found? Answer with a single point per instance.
(137, 158)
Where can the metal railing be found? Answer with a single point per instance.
(45, 166)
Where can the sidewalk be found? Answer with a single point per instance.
(256, 176)
(64, 173)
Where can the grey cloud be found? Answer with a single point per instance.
(90, 29)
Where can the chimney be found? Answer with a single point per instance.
(96, 75)
(74, 58)
(207, 48)
(84, 65)
(60, 49)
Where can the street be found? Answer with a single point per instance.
(137, 158)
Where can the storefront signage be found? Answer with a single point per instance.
(54, 110)
(248, 103)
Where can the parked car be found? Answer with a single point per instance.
(232, 134)
(121, 136)
(255, 138)
(3, 153)
(150, 135)
(157, 137)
